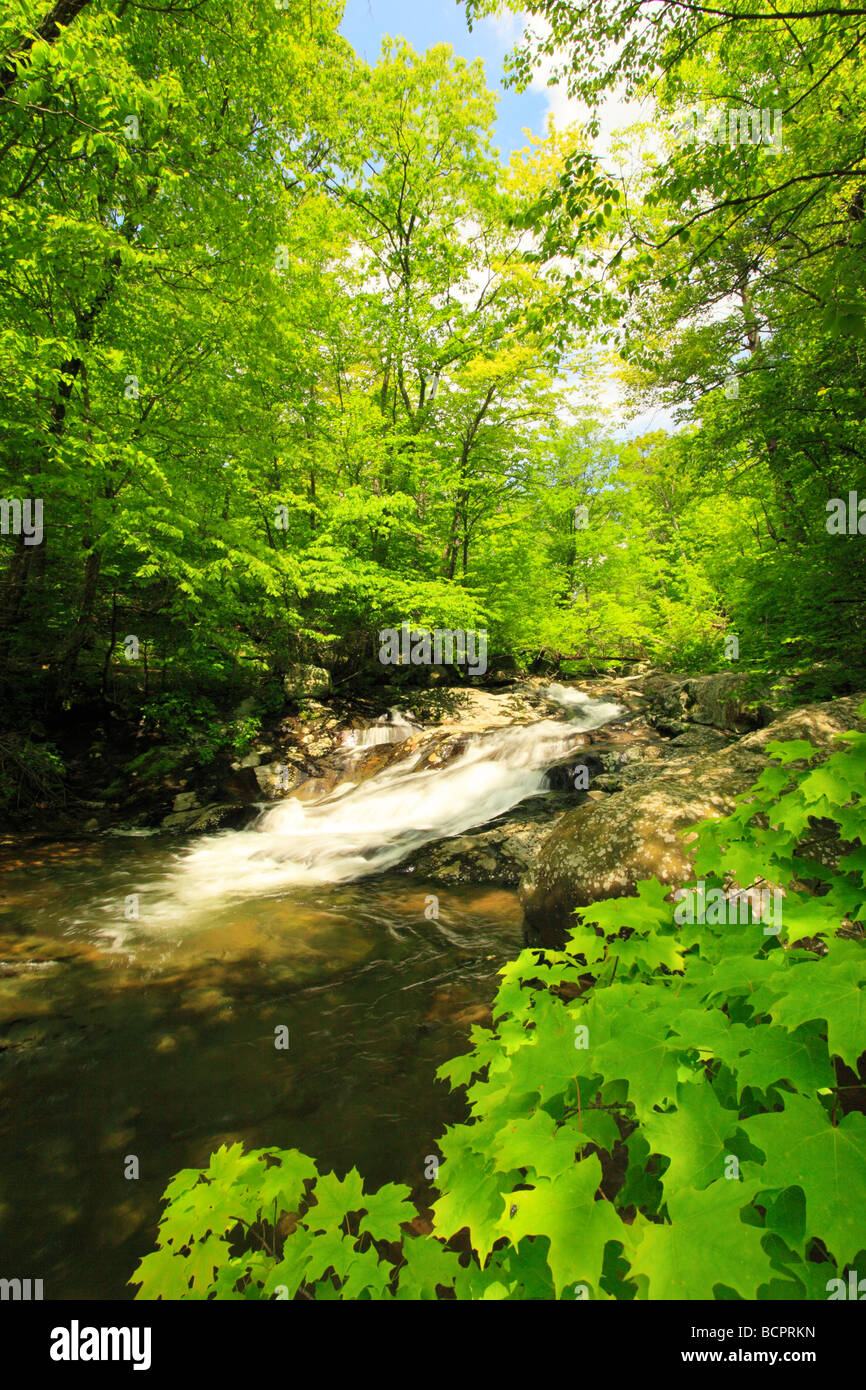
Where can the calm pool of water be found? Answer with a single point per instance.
(159, 1042)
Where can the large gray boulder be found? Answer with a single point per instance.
(306, 682)
(726, 700)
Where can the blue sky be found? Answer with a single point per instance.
(426, 22)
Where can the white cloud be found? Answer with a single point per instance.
(505, 26)
(615, 113)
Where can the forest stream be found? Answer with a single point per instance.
(138, 1015)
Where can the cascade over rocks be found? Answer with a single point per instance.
(602, 849)
(667, 752)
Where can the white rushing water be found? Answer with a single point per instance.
(364, 828)
(394, 727)
(569, 698)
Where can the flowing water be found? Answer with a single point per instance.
(142, 981)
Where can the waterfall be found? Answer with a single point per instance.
(567, 697)
(366, 827)
(394, 727)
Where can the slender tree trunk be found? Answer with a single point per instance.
(68, 658)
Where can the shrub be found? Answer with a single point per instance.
(192, 722)
(31, 774)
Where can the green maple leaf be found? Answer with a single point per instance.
(506, 1090)
(472, 1199)
(644, 915)
(459, 1144)
(162, 1275)
(231, 1270)
(850, 821)
(786, 1217)
(181, 1183)
(203, 1207)
(335, 1198)
(829, 989)
(476, 1285)
(827, 782)
(791, 750)
(179, 1226)
(707, 1030)
(532, 1141)
(290, 1272)
(792, 814)
(706, 1244)
(387, 1210)
(806, 917)
(550, 1061)
(854, 860)
(745, 861)
(523, 1269)
(204, 1257)
(460, 1070)
(230, 1163)
(694, 1136)
(490, 1050)
(283, 1183)
(512, 994)
(650, 952)
(737, 978)
(329, 1249)
(773, 780)
(583, 941)
(594, 1126)
(638, 1049)
(768, 1055)
(214, 1207)
(827, 1161)
(577, 1226)
(428, 1266)
(367, 1274)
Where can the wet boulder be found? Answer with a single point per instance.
(197, 819)
(500, 853)
(278, 779)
